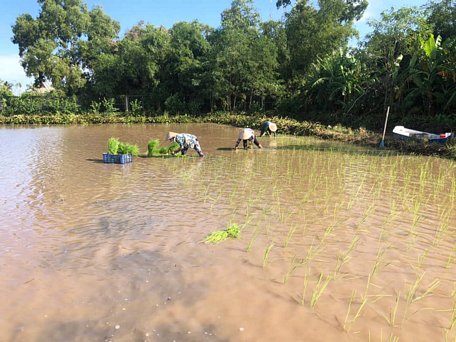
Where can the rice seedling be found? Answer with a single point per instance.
(421, 258)
(152, 147)
(319, 288)
(294, 264)
(378, 260)
(411, 293)
(327, 233)
(429, 291)
(172, 147)
(345, 257)
(291, 231)
(393, 338)
(255, 234)
(416, 217)
(125, 148)
(266, 254)
(370, 209)
(346, 321)
(218, 236)
(452, 322)
(393, 312)
(113, 145)
(304, 289)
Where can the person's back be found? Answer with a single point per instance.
(246, 135)
(185, 141)
(269, 128)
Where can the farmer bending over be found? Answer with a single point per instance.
(269, 128)
(185, 142)
(246, 135)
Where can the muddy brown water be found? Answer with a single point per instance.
(338, 242)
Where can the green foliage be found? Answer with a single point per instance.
(152, 147)
(5, 89)
(95, 107)
(175, 105)
(334, 82)
(125, 148)
(133, 150)
(62, 41)
(36, 104)
(233, 231)
(136, 107)
(316, 32)
(109, 106)
(113, 145)
(173, 147)
(300, 66)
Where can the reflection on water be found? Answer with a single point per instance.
(354, 242)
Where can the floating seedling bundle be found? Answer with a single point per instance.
(233, 231)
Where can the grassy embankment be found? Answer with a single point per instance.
(286, 126)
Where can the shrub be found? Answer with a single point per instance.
(95, 107)
(174, 104)
(109, 106)
(136, 108)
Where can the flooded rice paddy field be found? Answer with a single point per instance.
(338, 242)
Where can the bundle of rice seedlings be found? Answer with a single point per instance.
(233, 231)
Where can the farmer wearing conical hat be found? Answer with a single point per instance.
(185, 142)
(269, 128)
(246, 135)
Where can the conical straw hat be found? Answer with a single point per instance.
(272, 127)
(170, 135)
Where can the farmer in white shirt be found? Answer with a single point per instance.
(246, 135)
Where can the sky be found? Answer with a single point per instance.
(155, 12)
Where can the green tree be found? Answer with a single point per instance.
(352, 9)
(58, 45)
(232, 66)
(134, 66)
(315, 32)
(442, 16)
(243, 66)
(392, 43)
(6, 91)
(184, 68)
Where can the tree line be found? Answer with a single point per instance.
(301, 66)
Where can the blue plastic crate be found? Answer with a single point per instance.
(117, 158)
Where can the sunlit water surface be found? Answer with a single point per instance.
(337, 243)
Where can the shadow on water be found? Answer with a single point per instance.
(164, 156)
(179, 331)
(138, 274)
(97, 161)
(83, 329)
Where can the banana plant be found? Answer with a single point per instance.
(422, 81)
